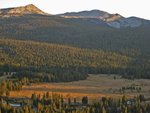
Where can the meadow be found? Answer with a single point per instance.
(95, 86)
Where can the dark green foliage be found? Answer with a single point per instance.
(85, 100)
(54, 63)
(53, 75)
(10, 85)
(24, 54)
(54, 103)
(83, 33)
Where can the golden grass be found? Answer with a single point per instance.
(94, 87)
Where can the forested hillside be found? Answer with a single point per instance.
(43, 57)
(27, 53)
(31, 56)
(84, 33)
(124, 50)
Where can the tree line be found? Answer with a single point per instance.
(56, 103)
(10, 85)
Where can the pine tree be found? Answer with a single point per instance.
(7, 93)
(69, 101)
(47, 95)
(10, 84)
(75, 100)
(26, 110)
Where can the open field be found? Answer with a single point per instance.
(94, 86)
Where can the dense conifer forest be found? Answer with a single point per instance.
(58, 61)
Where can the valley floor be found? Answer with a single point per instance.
(95, 86)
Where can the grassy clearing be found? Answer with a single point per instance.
(94, 86)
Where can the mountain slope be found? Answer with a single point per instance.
(43, 57)
(129, 22)
(92, 14)
(84, 33)
(33, 54)
(113, 20)
(88, 33)
(19, 11)
(86, 14)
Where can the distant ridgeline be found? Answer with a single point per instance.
(51, 62)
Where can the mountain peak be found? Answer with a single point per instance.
(85, 14)
(105, 16)
(22, 10)
(113, 17)
(31, 5)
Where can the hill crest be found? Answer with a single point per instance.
(105, 16)
(22, 10)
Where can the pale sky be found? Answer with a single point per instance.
(139, 8)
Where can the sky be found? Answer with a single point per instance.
(127, 8)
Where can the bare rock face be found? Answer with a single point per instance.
(93, 14)
(113, 17)
(86, 14)
(128, 22)
(19, 11)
